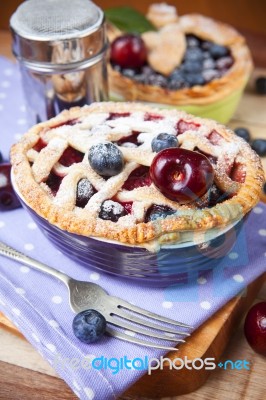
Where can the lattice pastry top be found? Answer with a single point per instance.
(105, 170)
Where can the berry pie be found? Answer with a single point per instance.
(132, 173)
(189, 60)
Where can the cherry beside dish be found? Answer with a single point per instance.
(255, 327)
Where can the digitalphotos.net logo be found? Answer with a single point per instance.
(116, 365)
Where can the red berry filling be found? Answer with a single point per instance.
(215, 138)
(117, 115)
(71, 156)
(40, 145)
(54, 182)
(152, 117)
(138, 178)
(133, 138)
(70, 122)
(238, 173)
(183, 126)
(127, 206)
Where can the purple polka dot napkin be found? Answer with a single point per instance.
(38, 304)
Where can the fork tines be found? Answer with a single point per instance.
(123, 315)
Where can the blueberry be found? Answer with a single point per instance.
(192, 66)
(141, 78)
(156, 211)
(224, 62)
(261, 85)
(206, 45)
(194, 54)
(195, 79)
(218, 51)
(208, 63)
(130, 73)
(176, 74)
(210, 74)
(147, 70)
(111, 211)
(206, 55)
(192, 41)
(1, 157)
(85, 191)
(243, 133)
(163, 141)
(157, 80)
(175, 84)
(259, 145)
(116, 67)
(89, 326)
(214, 196)
(106, 159)
(264, 188)
(176, 80)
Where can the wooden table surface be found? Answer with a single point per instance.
(24, 374)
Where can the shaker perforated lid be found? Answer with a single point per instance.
(39, 25)
(55, 19)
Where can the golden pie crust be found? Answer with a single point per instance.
(31, 168)
(204, 28)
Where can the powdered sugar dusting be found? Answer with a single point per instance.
(93, 120)
(110, 205)
(129, 145)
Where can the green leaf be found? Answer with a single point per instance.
(128, 19)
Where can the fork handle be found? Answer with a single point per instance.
(9, 252)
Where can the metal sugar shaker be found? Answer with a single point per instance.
(61, 47)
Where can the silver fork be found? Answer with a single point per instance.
(87, 295)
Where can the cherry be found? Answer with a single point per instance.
(8, 198)
(255, 327)
(181, 175)
(129, 51)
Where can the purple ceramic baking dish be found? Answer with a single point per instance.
(173, 263)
